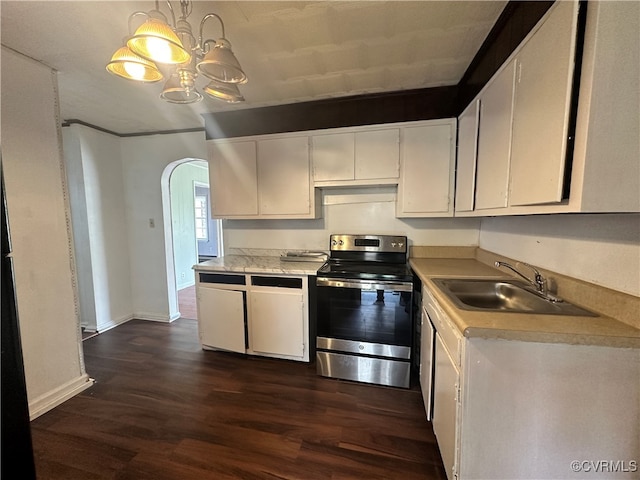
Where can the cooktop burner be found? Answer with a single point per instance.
(367, 270)
(378, 257)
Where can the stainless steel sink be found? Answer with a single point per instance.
(510, 296)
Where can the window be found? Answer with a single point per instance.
(202, 223)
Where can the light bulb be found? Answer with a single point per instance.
(134, 70)
(159, 50)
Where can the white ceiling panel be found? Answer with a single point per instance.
(291, 51)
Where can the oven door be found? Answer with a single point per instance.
(377, 312)
(364, 330)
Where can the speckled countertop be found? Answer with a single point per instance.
(577, 330)
(257, 264)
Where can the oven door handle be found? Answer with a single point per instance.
(364, 284)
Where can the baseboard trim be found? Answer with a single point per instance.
(103, 327)
(57, 396)
(154, 317)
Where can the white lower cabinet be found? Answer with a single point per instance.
(516, 409)
(426, 362)
(221, 303)
(264, 315)
(446, 406)
(277, 318)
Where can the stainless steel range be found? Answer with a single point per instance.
(364, 312)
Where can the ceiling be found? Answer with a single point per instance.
(291, 51)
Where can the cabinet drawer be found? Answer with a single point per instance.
(451, 337)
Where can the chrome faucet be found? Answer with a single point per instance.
(538, 282)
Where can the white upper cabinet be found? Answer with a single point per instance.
(494, 141)
(427, 170)
(377, 154)
(467, 156)
(542, 105)
(362, 156)
(233, 178)
(261, 178)
(529, 160)
(331, 157)
(284, 184)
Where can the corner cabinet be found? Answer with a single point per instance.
(261, 177)
(427, 169)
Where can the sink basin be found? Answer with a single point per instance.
(510, 296)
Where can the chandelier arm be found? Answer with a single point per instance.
(204, 19)
(186, 7)
(173, 15)
(135, 14)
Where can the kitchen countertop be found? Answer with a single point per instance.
(257, 264)
(575, 330)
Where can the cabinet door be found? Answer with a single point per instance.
(221, 318)
(446, 407)
(377, 154)
(284, 184)
(542, 104)
(233, 178)
(277, 319)
(494, 141)
(467, 155)
(426, 182)
(426, 362)
(333, 157)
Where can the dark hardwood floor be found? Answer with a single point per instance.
(163, 409)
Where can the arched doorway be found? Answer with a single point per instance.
(190, 234)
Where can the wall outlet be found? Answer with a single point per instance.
(182, 275)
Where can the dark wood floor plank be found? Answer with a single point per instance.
(164, 409)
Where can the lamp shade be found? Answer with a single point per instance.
(174, 92)
(155, 41)
(221, 64)
(127, 64)
(228, 92)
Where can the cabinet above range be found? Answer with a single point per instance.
(281, 175)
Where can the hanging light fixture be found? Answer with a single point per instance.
(157, 41)
(127, 64)
(228, 92)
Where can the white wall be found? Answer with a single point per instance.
(601, 249)
(357, 210)
(107, 243)
(37, 201)
(80, 222)
(144, 160)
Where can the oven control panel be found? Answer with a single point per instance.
(369, 243)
